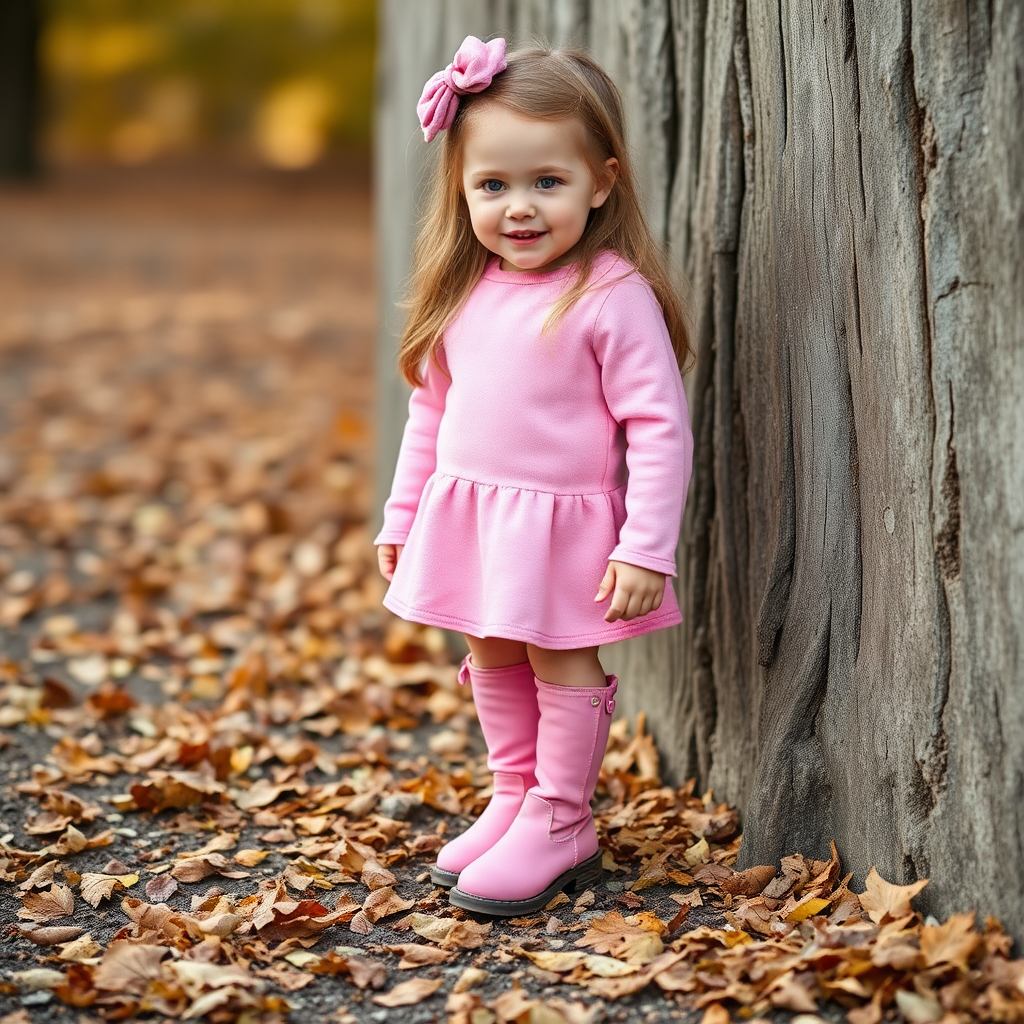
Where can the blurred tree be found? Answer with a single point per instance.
(19, 87)
(139, 79)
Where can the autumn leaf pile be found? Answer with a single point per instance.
(232, 768)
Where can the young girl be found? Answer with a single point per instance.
(544, 342)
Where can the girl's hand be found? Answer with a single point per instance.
(387, 558)
(635, 591)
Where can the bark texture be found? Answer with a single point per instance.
(841, 184)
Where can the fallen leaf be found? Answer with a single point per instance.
(82, 948)
(129, 967)
(882, 899)
(383, 903)
(952, 942)
(408, 993)
(36, 979)
(51, 936)
(750, 882)
(57, 901)
(250, 858)
(416, 955)
(161, 888)
(918, 1009)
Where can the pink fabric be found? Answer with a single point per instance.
(511, 493)
(475, 65)
(506, 704)
(554, 831)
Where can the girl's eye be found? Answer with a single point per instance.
(492, 185)
(546, 183)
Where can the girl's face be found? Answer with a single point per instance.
(528, 187)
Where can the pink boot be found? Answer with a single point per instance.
(552, 844)
(506, 704)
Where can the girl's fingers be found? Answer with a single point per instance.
(606, 587)
(620, 602)
(387, 559)
(632, 608)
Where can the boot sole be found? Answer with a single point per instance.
(445, 879)
(576, 879)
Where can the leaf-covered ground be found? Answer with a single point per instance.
(225, 770)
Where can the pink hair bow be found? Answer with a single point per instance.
(475, 64)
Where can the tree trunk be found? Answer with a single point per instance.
(841, 183)
(19, 87)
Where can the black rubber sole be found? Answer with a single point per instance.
(445, 879)
(577, 879)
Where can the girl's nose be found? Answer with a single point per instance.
(519, 208)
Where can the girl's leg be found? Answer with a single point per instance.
(552, 844)
(495, 651)
(505, 695)
(567, 668)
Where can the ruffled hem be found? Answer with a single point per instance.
(614, 632)
(497, 560)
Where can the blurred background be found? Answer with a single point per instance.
(287, 83)
(187, 322)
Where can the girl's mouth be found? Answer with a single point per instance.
(524, 237)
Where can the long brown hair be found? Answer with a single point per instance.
(549, 85)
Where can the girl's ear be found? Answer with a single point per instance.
(604, 188)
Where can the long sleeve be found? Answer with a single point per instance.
(644, 393)
(417, 457)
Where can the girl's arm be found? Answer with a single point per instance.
(417, 458)
(644, 393)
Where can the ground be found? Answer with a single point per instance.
(225, 768)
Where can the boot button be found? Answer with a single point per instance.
(595, 702)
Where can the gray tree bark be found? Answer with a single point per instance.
(841, 182)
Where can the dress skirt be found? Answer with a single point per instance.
(502, 561)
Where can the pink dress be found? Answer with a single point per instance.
(511, 493)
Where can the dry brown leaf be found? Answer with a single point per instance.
(195, 869)
(788, 993)
(37, 979)
(636, 940)
(360, 924)
(429, 927)
(750, 882)
(51, 936)
(57, 901)
(82, 948)
(715, 1013)
(415, 954)
(409, 993)
(383, 903)
(250, 858)
(513, 1005)
(72, 841)
(471, 977)
(165, 790)
(96, 887)
(952, 942)
(290, 919)
(373, 876)
(467, 935)
(129, 967)
(364, 972)
(161, 888)
(882, 899)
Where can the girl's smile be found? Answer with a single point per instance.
(528, 187)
